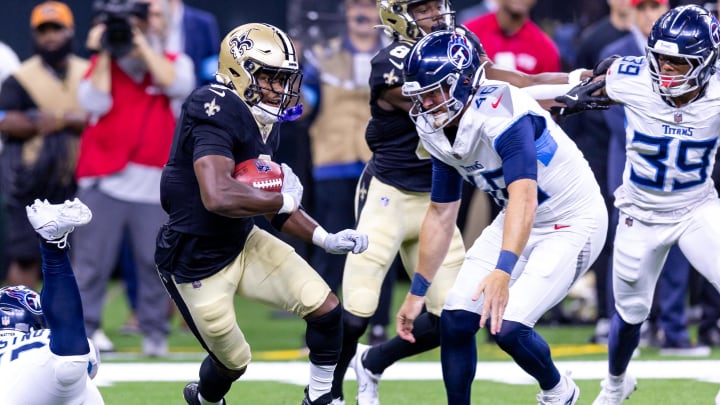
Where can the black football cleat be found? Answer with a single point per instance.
(323, 400)
(190, 392)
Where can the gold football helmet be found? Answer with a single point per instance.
(257, 48)
(396, 16)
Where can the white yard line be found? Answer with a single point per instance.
(296, 372)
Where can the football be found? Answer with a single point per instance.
(260, 173)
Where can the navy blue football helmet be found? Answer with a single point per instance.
(20, 310)
(447, 62)
(687, 32)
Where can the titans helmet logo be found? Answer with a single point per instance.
(30, 299)
(240, 44)
(715, 34)
(458, 51)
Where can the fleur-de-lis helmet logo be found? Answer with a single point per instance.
(241, 44)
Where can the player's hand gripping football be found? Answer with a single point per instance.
(292, 185)
(347, 240)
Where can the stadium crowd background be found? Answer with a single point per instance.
(323, 18)
(312, 22)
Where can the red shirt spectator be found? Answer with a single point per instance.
(528, 49)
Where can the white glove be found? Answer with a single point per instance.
(292, 190)
(347, 240)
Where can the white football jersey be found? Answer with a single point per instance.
(670, 150)
(14, 348)
(566, 183)
(31, 374)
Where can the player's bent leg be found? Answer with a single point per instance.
(426, 330)
(353, 328)
(623, 339)
(458, 353)
(215, 382)
(701, 241)
(530, 351)
(217, 332)
(370, 362)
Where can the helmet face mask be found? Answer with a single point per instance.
(444, 66)
(20, 311)
(261, 51)
(401, 17)
(686, 37)
(441, 113)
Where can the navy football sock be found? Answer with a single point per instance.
(353, 328)
(458, 353)
(530, 352)
(62, 306)
(323, 336)
(426, 330)
(215, 380)
(623, 339)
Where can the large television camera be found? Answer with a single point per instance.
(116, 15)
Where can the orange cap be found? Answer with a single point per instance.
(51, 12)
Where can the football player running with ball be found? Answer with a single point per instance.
(395, 189)
(46, 357)
(210, 250)
(551, 229)
(672, 102)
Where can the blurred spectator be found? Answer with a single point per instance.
(41, 121)
(127, 92)
(194, 32)
(340, 70)
(591, 134)
(512, 41)
(597, 36)
(483, 7)
(314, 21)
(9, 62)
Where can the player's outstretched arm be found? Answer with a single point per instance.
(435, 236)
(519, 218)
(301, 225)
(588, 95)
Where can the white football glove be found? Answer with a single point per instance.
(347, 240)
(291, 188)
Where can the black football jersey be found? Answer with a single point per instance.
(391, 134)
(195, 242)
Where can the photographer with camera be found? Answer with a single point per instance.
(127, 91)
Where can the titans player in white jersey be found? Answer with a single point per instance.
(45, 355)
(672, 105)
(551, 229)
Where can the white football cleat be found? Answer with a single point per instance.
(367, 381)
(615, 394)
(55, 221)
(568, 396)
